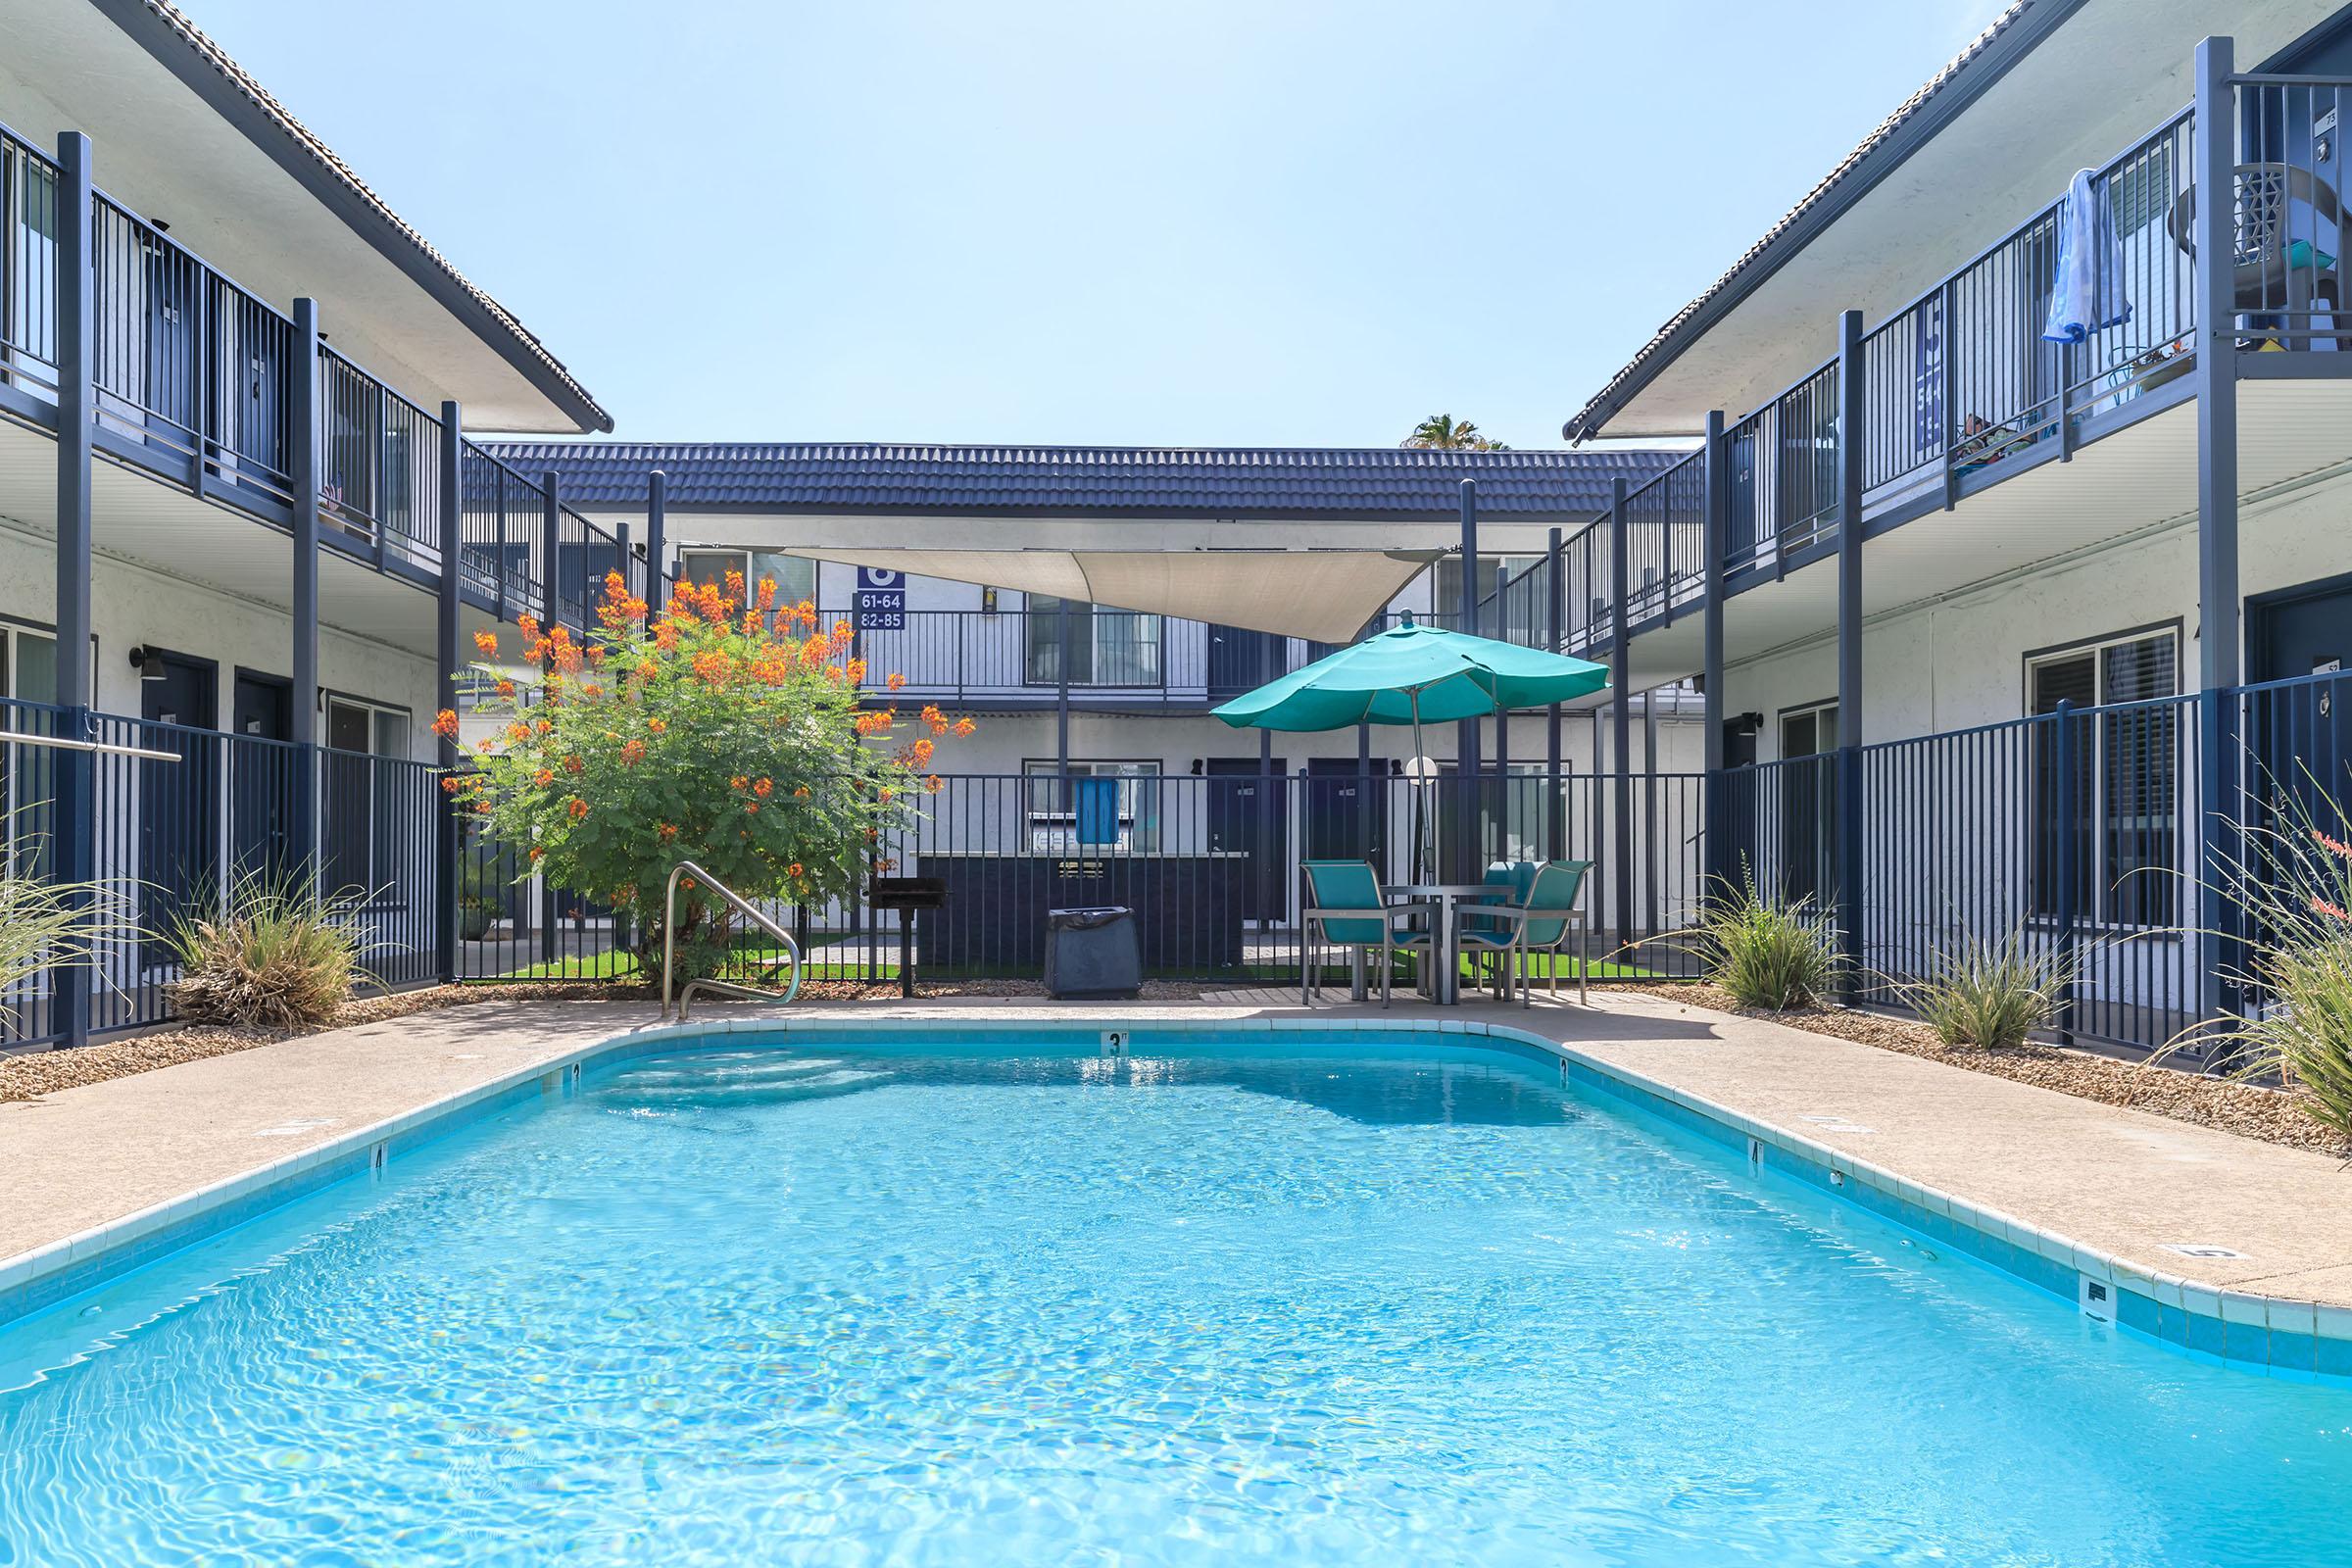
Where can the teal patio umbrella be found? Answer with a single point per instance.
(1409, 675)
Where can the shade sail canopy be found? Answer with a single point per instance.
(1414, 675)
(1324, 595)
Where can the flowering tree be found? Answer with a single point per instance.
(727, 731)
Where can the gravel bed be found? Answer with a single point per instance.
(2274, 1115)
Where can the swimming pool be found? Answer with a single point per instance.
(1257, 1299)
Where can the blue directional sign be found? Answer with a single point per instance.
(881, 600)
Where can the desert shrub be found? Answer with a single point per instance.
(2293, 887)
(44, 925)
(279, 956)
(1765, 949)
(1991, 995)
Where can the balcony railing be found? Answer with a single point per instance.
(196, 378)
(1961, 380)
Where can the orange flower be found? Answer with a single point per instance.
(616, 585)
(505, 688)
(666, 831)
(487, 642)
(934, 784)
(857, 672)
(2323, 907)
(921, 752)
(647, 670)
(536, 852)
(445, 724)
(658, 726)
(2337, 847)
(964, 726)
(631, 753)
(801, 794)
(577, 807)
(665, 636)
(711, 666)
(543, 727)
(529, 624)
(897, 682)
(483, 747)
(452, 784)
(763, 787)
(767, 593)
(543, 778)
(519, 732)
(750, 808)
(739, 782)
(796, 870)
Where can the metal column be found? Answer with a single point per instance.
(445, 644)
(1555, 791)
(2218, 634)
(657, 518)
(77, 777)
(303, 444)
(1465, 745)
(1715, 829)
(1621, 717)
(1848, 805)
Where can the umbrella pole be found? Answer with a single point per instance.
(1420, 785)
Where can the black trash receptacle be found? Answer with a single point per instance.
(1091, 953)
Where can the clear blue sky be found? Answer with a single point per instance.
(1195, 222)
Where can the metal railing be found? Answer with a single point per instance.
(28, 267)
(703, 882)
(501, 535)
(380, 464)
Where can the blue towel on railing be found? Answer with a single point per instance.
(2088, 293)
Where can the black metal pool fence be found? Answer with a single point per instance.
(2082, 832)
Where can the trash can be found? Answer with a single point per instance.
(1091, 954)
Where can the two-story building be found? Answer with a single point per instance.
(2035, 406)
(243, 534)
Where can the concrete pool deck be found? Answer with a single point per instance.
(2132, 1187)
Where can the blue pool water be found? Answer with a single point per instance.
(1330, 1305)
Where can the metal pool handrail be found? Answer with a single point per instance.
(717, 988)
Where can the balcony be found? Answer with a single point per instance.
(203, 386)
(1958, 394)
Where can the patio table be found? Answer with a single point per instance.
(1446, 963)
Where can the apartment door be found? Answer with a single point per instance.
(261, 779)
(1735, 816)
(255, 394)
(1245, 818)
(1239, 661)
(2301, 736)
(1347, 811)
(177, 823)
(172, 371)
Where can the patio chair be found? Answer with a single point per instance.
(1345, 905)
(1539, 921)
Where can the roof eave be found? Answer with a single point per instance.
(2009, 41)
(181, 50)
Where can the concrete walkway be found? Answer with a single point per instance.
(2130, 1184)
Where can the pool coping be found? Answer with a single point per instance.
(2282, 1336)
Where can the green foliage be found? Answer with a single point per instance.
(1992, 995)
(2293, 884)
(1445, 433)
(725, 733)
(44, 924)
(280, 957)
(1766, 950)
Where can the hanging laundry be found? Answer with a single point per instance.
(2088, 293)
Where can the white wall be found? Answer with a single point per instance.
(133, 605)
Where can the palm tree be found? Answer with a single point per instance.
(1444, 431)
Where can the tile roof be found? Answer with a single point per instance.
(278, 113)
(1034, 481)
(1588, 420)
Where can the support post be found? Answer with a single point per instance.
(303, 443)
(2221, 784)
(445, 644)
(77, 772)
(1061, 698)
(1465, 745)
(551, 543)
(1621, 714)
(1846, 803)
(657, 518)
(1555, 791)
(1715, 830)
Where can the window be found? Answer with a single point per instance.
(795, 576)
(1107, 647)
(2115, 805)
(1121, 810)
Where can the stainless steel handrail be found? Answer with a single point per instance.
(717, 988)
